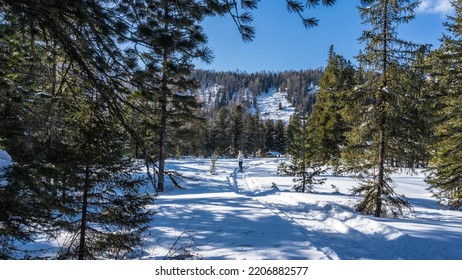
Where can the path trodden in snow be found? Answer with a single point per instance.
(336, 230)
(233, 215)
(222, 224)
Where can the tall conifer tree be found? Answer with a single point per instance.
(237, 127)
(326, 121)
(171, 33)
(270, 135)
(221, 133)
(280, 137)
(446, 78)
(26, 206)
(103, 200)
(375, 110)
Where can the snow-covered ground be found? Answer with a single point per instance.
(232, 215)
(5, 161)
(256, 215)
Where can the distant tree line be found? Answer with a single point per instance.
(244, 88)
(230, 115)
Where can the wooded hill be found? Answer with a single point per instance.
(220, 89)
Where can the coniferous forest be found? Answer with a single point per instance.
(91, 92)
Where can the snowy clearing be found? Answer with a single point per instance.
(256, 215)
(231, 215)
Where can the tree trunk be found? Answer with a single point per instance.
(163, 107)
(381, 103)
(83, 221)
(381, 169)
(162, 142)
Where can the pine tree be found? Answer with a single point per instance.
(326, 121)
(221, 133)
(413, 129)
(269, 135)
(92, 36)
(66, 162)
(253, 132)
(237, 127)
(102, 200)
(173, 37)
(303, 151)
(445, 179)
(375, 111)
(25, 205)
(280, 137)
(241, 13)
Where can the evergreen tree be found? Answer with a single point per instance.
(413, 129)
(270, 134)
(173, 38)
(237, 127)
(243, 17)
(375, 111)
(445, 179)
(326, 122)
(103, 201)
(253, 132)
(25, 205)
(62, 167)
(302, 149)
(280, 137)
(222, 134)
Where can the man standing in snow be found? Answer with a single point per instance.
(240, 159)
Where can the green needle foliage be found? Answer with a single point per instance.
(305, 163)
(445, 179)
(376, 110)
(326, 122)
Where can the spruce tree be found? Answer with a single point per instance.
(280, 137)
(374, 113)
(269, 135)
(253, 135)
(172, 36)
(326, 122)
(413, 131)
(237, 127)
(221, 133)
(303, 152)
(26, 206)
(102, 199)
(445, 179)
(68, 165)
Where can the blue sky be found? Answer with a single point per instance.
(282, 43)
